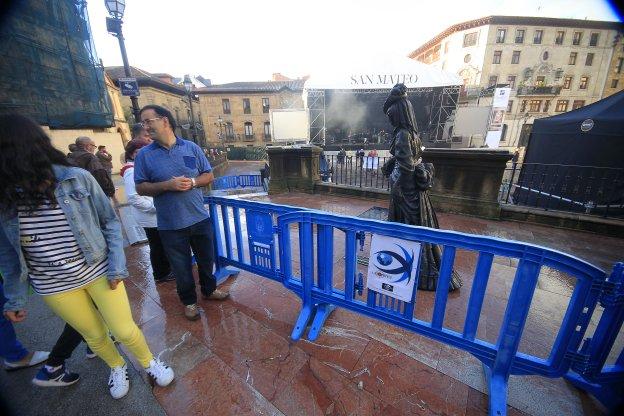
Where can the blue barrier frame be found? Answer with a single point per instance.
(236, 181)
(583, 367)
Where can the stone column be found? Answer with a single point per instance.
(467, 181)
(293, 168)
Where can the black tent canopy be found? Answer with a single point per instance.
(575, 160)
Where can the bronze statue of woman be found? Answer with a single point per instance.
(410, 180)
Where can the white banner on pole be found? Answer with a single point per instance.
(393, 266)
(497, 116)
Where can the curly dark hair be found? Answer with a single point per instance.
(26, 159)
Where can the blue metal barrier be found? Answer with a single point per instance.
(231, 182)
(270, 229)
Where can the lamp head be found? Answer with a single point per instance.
(188, 85)
(115, 8)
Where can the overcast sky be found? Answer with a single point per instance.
(248, 40)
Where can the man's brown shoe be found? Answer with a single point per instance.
(191, 312)
(218, 295)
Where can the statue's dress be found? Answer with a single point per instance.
(410, 204)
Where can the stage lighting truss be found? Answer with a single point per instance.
(444, 102)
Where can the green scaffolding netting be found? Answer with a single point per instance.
(49, 69)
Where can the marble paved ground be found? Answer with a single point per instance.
(239, 360)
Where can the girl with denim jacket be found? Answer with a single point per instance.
(59, 232)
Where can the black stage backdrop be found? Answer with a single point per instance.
(352, 116)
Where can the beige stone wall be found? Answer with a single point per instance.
(211, 109)
(613, 73)
(177, 104)
(107, 137)
(121, 124)
(478, 67)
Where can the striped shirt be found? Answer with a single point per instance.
(54, 259)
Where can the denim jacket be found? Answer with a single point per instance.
(92, 220)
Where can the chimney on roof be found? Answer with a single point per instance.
(277, 76)
(165, 78)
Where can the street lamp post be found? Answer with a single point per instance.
(116, 9)
(220, 124)
(188, 86)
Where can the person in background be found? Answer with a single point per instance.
(342, 154)
(139, 132)
(173, 170)
(72, 148)
(360, 156)
(13, 353)
(59, 232)
(84, 158)
(106, 159)
(144, 214)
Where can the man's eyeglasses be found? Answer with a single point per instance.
(148, 121)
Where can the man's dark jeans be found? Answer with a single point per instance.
(178, 244)
(158, 257)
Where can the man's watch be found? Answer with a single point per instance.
(193, 183)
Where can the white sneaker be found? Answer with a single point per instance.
(118, 382)
(160, 372)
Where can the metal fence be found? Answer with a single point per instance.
(296, 247)
(363, 172)
(573, 188)
(584, 189)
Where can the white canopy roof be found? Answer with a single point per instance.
(380, 73)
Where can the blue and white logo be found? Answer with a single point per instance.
(402, 268)
(393, 266)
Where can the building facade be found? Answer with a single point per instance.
(160, 89)
(615, 75)
(551, 65)
(238, 114)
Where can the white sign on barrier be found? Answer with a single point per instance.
(393, 266)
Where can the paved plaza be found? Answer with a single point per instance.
(239, 360)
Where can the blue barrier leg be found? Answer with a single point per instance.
(610, 395)
(325, 239)
(306, 254)
(323, 311)
(497, 386)
(302, 321)
(222, 273)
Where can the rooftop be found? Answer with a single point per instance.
(254, 86)
(239, 360)
(517, 20)
(145, 78)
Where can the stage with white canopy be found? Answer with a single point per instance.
(345, 101)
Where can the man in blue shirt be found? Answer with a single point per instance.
(172, 170)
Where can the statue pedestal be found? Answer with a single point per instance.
(293, 168)
(467, 181)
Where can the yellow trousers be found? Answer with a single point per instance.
(76, 307)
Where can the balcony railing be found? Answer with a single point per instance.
(266, 137)
(230, 138)
(249, 137)
(551, 90)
